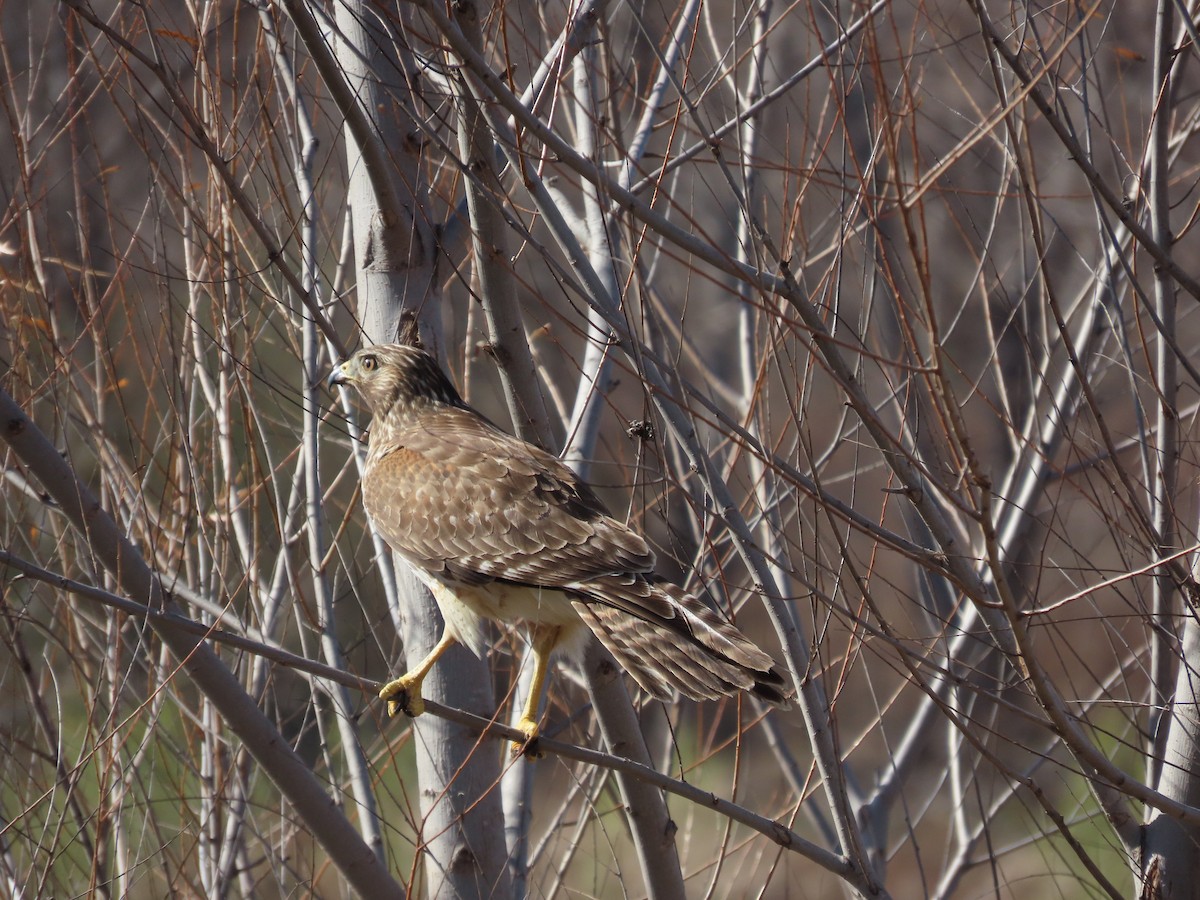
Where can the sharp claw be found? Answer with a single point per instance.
(529, 748)
(399, 705)
(401, 696)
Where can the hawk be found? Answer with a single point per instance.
(498, 528)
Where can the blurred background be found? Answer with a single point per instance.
(880, 319)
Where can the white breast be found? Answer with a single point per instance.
(465, 606)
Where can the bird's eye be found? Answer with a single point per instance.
(369, 363)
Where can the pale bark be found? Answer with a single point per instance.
(111, 549)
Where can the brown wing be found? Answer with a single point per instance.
(669, 641)
(460, 498)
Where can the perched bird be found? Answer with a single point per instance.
(499, 529)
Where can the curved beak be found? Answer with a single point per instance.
(341, 374)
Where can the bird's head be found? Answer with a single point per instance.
(395, 378)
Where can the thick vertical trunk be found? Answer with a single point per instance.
(395, 258)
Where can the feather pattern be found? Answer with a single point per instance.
(506, 531)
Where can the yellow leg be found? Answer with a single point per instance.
(405, 692)
(544, 642)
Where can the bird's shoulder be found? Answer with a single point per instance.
(449, 480)
(458, 443)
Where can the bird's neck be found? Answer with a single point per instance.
(388, 428)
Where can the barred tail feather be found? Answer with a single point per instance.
(670, 642)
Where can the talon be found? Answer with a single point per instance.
(405, 692)
(403, 695)
(529, 748)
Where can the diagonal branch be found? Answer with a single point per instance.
(117, 554)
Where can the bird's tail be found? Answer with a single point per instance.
(671, 642)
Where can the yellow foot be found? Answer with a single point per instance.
(529, 748)
(403, 695)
